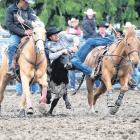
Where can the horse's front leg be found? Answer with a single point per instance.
(124, 88)
(26, 97)
(43, 99)
(106, 78)
(3, 84)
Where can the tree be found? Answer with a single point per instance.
(57, 12)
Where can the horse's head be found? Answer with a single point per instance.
(39, 37)
(132, 46)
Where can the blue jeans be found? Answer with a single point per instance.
(72, 78)
(34, 88)
(136, 76)
(80, 56)
(14, 42)
(97, 83)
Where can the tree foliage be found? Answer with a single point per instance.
(57, 12)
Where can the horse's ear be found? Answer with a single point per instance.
(130, 32)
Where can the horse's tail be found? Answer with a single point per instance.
(83, 76)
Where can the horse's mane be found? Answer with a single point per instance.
(130, 32)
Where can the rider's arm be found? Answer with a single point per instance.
(55, 55)
(12, 27)
(55, 51)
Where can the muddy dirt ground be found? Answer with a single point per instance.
(74, 124)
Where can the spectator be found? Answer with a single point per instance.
(102, 30)
(119, 33)
(34, 88)
(89, 24)
(74, 29)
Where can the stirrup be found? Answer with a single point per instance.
(94, 75)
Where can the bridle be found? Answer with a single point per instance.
(127, 46)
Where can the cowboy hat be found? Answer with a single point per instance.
(103, 24)
(30, 1)
(90, 12)
(73, 21)
(129, 24)
(52, 30)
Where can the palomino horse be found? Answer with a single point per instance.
(32, 64)
(116, 63)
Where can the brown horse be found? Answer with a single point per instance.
(32, 64)
(116, 63)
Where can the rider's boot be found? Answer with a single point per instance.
(10, 54)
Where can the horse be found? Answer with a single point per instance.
(32, 64)
(115, 63)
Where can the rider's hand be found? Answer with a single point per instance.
(65, 51)
(74, 49)
(28, 32)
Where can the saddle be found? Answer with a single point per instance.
(20, 47)
(98, 61)
(16, 57)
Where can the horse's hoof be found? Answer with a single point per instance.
(30, 111)
(113, 110)
(92, 110)
(110, 104)
(48, 114)
(68, 105)
(42, 108)
(22, 113)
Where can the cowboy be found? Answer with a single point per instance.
(60, 44)
(89, 24)
(80, 56)
(20, 19)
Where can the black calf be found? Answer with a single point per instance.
(58, 82)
